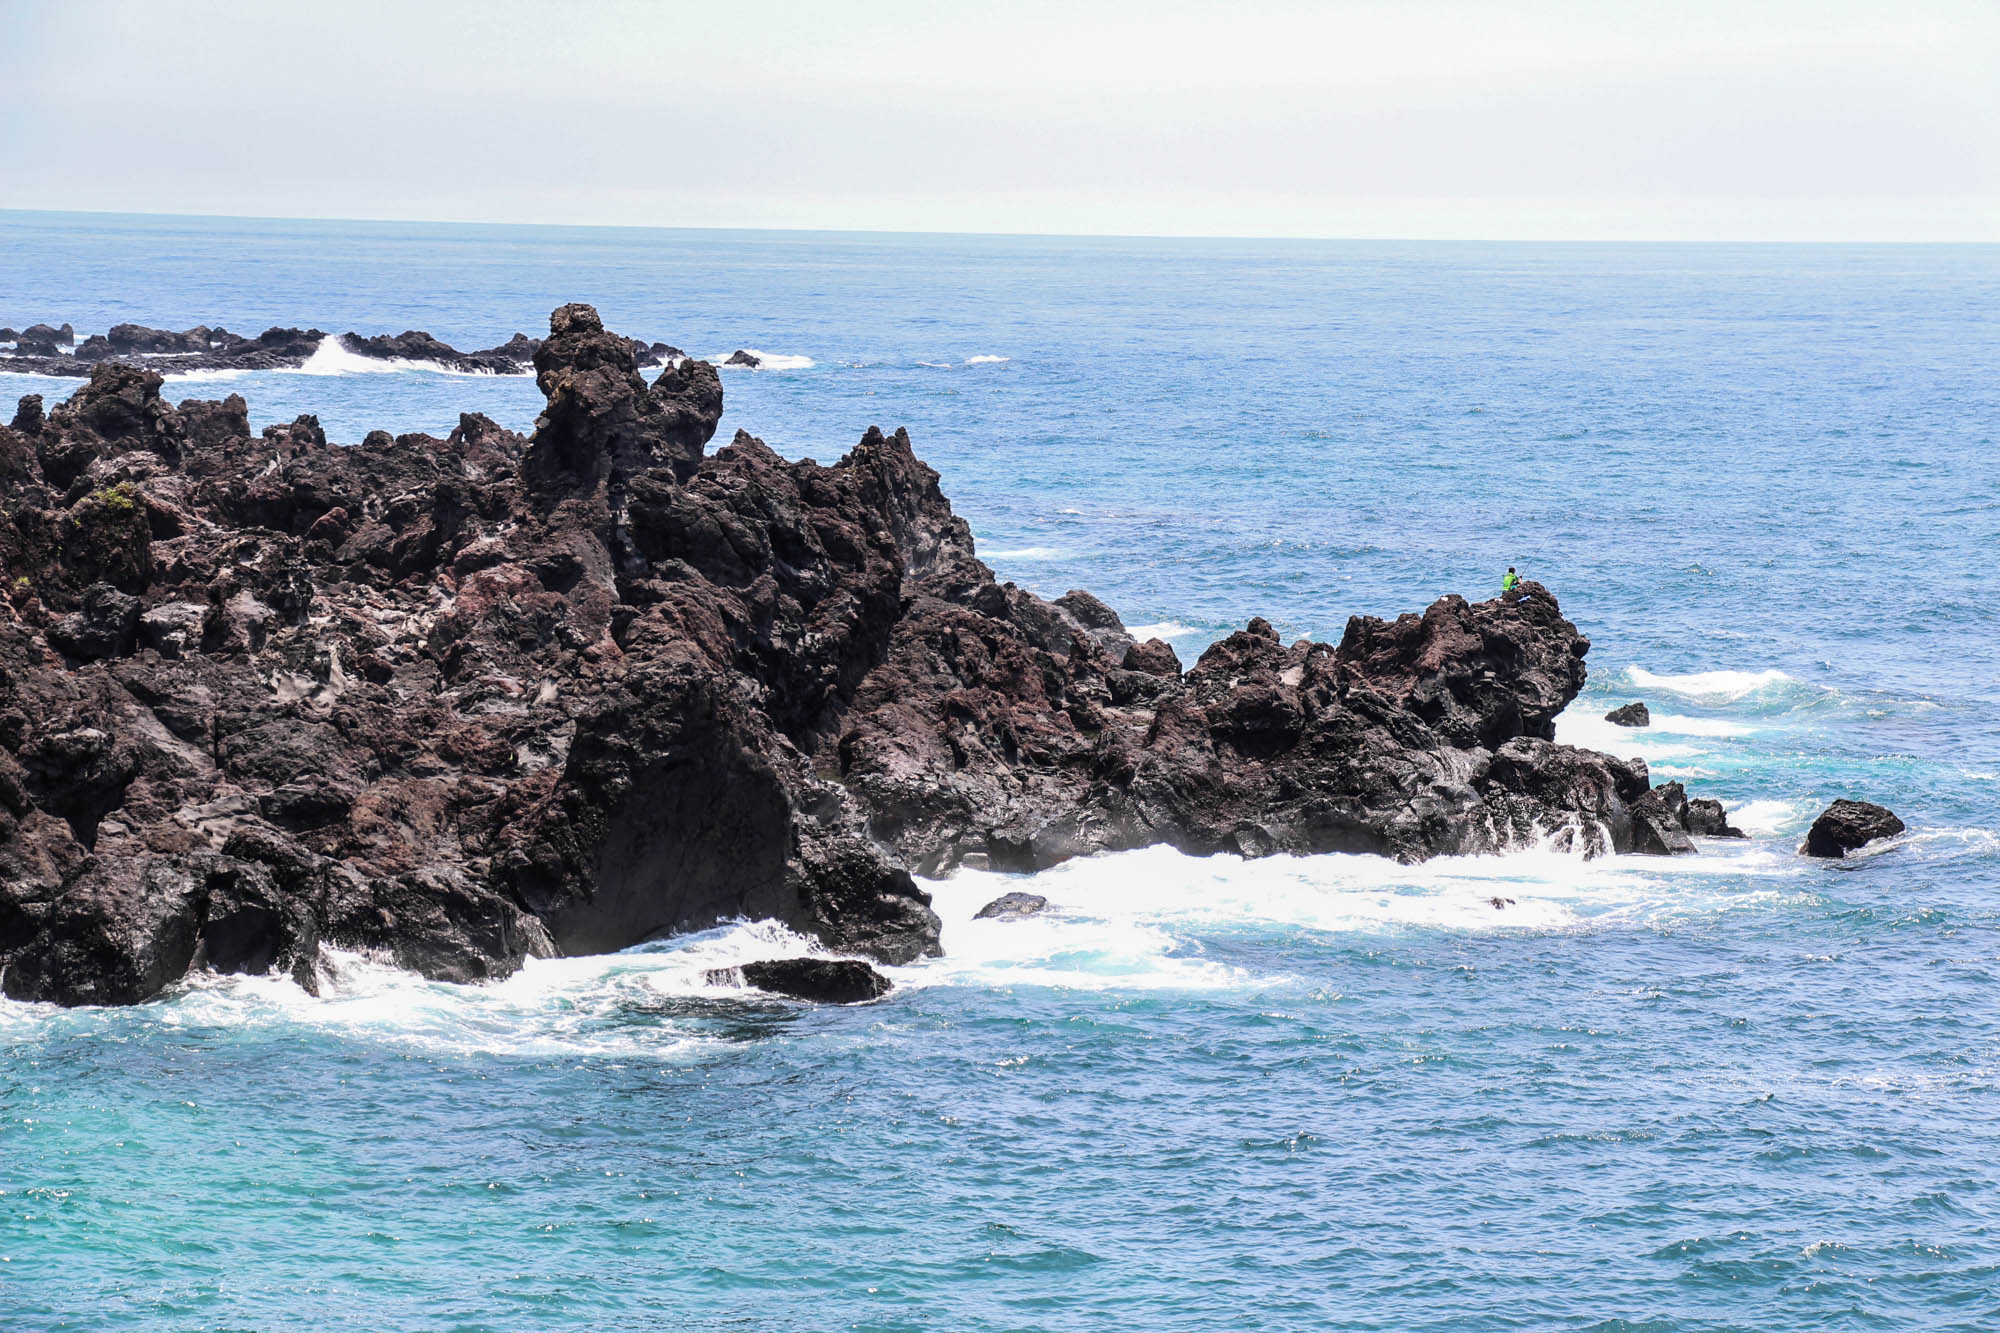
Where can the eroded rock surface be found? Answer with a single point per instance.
(466, 700)
(1847, 826)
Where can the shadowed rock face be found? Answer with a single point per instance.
(469, 699)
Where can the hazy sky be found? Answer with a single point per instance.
(1821, 120)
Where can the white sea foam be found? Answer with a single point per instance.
(986, 360)
(1719, 686)
(1165, 629)
(765, 361)
(1583, 725)
(332, 358)
(1028, 553)
(1772, 817)
(1135, 920)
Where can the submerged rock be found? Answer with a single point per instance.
(1630, 715)
(1012, 905)
(472, 699)
(1847, 825)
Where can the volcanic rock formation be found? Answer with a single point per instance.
(465, 700)
(1848, 825)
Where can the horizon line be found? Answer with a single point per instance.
(992, 234)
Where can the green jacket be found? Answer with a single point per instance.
(1510, 582)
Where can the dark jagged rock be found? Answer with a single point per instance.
(1630, 715)
(1847, 825)
(471, 699)
(739, 357)
(128, 339)
(1009, 906)
(999, 732)
(1659, 822)
(1706, 819)
(509, 358)
(603, 424)
(28, 414)
(820, 980)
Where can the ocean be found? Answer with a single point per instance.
(1735, 1091)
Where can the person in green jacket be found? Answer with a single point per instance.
(1510, 583)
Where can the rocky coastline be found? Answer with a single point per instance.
(41, 349)
(468, 700)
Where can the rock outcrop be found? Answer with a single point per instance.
(1846, 826)
(1011, 907)
(1630, 715)
(461, 701)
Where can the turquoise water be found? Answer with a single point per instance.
(1738, 1092)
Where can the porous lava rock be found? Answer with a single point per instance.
(464, 700)
(1630, 715)
(1848, 825)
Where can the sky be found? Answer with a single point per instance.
(1537, 119)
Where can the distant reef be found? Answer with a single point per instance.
(42, 350)
(468, 700)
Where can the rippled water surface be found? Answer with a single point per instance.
(1739, 1091)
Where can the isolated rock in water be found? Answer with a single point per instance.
(739, 357)
(1846, 825)
(821, 980)
(1631, 715)
(1706, 819)
(1500, 904)
(1009, 905)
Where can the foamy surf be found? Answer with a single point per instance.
(1028, 553)
(1138, 920)
(650, 1002)
(1716, 686)
(331, 358)
(1581, 724)
(1164, 629)
(765, 361)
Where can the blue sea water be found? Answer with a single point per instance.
(1737, 1091)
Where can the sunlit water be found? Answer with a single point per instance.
(1739, 1091)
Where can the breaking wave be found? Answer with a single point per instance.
(1165, 629)
(1714, 686)
(765, 361)
(331, 358)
